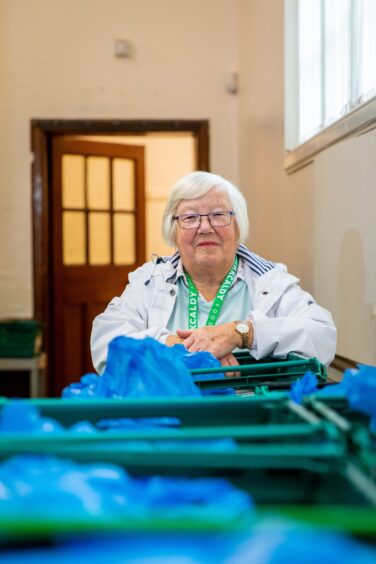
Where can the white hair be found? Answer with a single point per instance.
(195, 185)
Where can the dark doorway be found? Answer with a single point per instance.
(73, 284)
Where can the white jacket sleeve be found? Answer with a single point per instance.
(124, 316)
(297, 324)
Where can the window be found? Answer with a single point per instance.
(98, 201)
(330, 73)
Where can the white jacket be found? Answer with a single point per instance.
(285, 317)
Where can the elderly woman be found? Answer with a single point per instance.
(213, 293)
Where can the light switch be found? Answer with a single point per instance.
(231, 82)
(122, 48)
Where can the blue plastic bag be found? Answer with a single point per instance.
(138, 368)
(146, 368)
(305, 386)
(273, 542)
(280, 542)
(18, 416)
(49, 487)
(203, 359)
(359, 387)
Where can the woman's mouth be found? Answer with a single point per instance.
(207, 244)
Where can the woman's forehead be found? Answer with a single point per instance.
(214, 198)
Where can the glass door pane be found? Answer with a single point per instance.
(98, 183)
(74, 238)
(124, 239)
(123, 184)
(99, 238)
(73, 181)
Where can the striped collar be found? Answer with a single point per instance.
(257, 264)
(180, 273)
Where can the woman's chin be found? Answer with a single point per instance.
(208, 255)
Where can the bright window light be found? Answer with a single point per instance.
(310, 103)
(330, 63)
(337, 59)
(367, 40)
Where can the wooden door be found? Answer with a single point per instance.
(98, 237)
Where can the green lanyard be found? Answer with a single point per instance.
(218, 300)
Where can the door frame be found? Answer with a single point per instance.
(42, 133)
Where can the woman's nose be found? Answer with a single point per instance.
(205, 225)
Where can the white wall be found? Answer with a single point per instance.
(320, 220)
(56, 60)
(345, 242)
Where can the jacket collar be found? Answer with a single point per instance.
(255, 263)
(268, 281)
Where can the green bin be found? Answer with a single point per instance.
(20, 338)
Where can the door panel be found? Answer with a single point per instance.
(98, 234)
(73, 349)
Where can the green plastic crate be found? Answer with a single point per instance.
(275, 408)
(20, 338)
(338, 403)
(271, 372)
(355, 426)
(329, 500)
(266, 431)
(290, 461)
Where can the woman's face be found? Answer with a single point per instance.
(207, 245)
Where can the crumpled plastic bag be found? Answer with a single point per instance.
(273, 541)
(359, 387)
(203, 359)
(305, 386)
(137, 368)
(146, 368)
(282, 542)
(199, 359)
(18, 416)
(49, 487)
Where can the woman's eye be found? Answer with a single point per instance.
(189, 218)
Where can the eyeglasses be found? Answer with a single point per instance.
(193, 220)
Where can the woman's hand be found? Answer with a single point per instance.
(230, 360)
(173, 340)
(219, 340)
(227, 360)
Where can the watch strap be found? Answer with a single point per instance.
(244, 334)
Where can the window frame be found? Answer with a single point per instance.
(357, 121)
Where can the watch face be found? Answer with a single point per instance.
(242, 327)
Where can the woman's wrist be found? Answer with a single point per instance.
(244, 339)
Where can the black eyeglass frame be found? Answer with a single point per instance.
(227, 213)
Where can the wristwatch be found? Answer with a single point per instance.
(242, 328)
